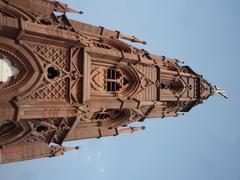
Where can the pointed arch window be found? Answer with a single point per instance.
(113, 80)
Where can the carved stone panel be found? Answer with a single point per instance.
(55, 82)
(49, 130)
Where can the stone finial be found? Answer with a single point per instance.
(58, 150)
(61, 7)
(216, 89)
(132, 38)
(131, 130)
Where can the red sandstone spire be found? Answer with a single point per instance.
(79, 81)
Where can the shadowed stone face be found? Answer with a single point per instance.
(3, 122)
(7, 70)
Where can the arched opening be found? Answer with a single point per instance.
(99, 116)
(45, 21)
(9, 131)
(171, 86)
(116, 118)
(7, 70)
(113, 80)
(4, 123)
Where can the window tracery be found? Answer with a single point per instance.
(107, 80)
(113, 80)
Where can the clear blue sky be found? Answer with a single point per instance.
(202, 145)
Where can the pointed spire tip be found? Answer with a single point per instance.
(220, 91)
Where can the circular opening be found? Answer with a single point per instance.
(52, 73)
(41, 129)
